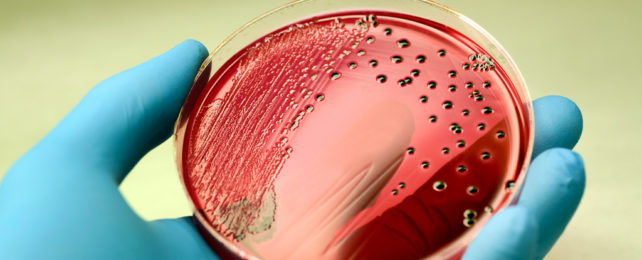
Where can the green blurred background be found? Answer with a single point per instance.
(53, 52)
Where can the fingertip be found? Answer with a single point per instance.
(195, 44)
(194, 47)
(573, 162)
(510, 234)
(553, 189)
(166, 77)
(558, 123)
(559, 168)
(184, 58)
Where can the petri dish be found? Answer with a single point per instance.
(353, 129)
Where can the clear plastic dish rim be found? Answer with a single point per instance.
(301, 9)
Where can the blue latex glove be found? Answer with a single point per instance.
(61, 199)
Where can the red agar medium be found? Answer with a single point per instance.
(356, 134)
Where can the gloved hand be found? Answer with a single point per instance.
(61, 199)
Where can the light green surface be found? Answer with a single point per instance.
(53, 52)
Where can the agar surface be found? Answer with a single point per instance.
(362, 134)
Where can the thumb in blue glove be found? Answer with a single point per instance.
(61, 199)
